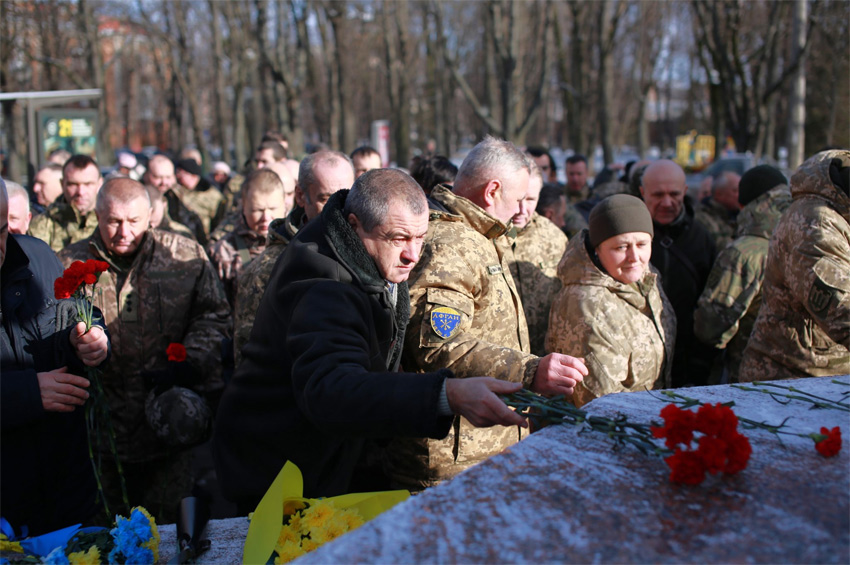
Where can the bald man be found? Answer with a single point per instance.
(160, 289)
(683, 251)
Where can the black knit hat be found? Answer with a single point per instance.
(617, 214)
(190, 166)
(757, 181)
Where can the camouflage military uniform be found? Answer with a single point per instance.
(803, 327)
(225, 227)
(235, 251)
(168, 292)
(574, 222)
(172, 226)
(61, 225)
(208, 204)
(626, 332)
(255, 277)
(231, 191)
(574, 197)
(720, 224)
(728, 307)
(466, 316)
(181, 213)
(537, 249)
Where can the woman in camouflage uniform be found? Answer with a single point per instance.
(612, 306)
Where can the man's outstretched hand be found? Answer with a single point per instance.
(475, 399)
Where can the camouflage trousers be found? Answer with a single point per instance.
(158, 485)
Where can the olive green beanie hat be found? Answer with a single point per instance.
(619, 213)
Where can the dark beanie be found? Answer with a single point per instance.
(619, 213)
(190, 166)
(757, 181)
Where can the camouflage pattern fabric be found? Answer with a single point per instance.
(625, 332)
(803, 327)
(208, 204)
(574, 222)
(173, 226)
(466, 315)
(717, 221)
(167, 293)
(537, 250)
(227, 225)
(181, 213)
(574, 197)
(727, 308)
(178, 416)
(61, 225)
(234, 252)
(232, 191)
(255, 277)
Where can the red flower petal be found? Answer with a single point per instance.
(686, 467)
(832, 444)
(737, 453)
(712, 451)
(176, 352)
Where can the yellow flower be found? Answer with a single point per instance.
(287, 534)
(293, 505)
(90, 557)
(6, 545)
(308, 545)
(287, 552)
(317, 514)
(153, 543)
(353, 519)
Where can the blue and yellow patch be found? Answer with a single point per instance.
(445, 321)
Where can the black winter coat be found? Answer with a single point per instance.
(317, 375)
(46, 479)
(684, 252)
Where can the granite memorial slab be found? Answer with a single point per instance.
(566, 495)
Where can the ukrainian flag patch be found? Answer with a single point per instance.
(445, 321)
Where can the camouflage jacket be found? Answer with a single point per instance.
(208, 204)
(577, 196)
(61, 225)
(717, 221)
(225, 227)
(727, 308)
(538, 249)
(232, 253)
(232, 192)
(181, 213)
(168, 294)
(255, 276)
(625, 332)
(465, 315)
(803, 327)
(173, 226)
(574, 222)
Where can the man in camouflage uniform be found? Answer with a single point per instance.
(803, 327)
(262, 202)
(576, 189)
(718, 214)
(71, 217)
(320, 175)
(728, 307)
(466, 313)
(160, 174)
(199, 195)
(160, 289)
(538, 247)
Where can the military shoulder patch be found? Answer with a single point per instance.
(445, 321)
(821, 297)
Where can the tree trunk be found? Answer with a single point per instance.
(796, 138)
(221, 128)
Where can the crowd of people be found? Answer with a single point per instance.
(361, 321)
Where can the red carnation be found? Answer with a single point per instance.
(678, 426)
(712, 451)
(831, 443)
(738, 453)
(176, 352)
(716, 420)
(60, 289)
(686, 467)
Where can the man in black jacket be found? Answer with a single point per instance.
(47, 480)
(683, 252)
(318, 374)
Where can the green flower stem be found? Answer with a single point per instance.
(792, 393)
(559, 410)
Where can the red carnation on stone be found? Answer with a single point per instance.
(686, 467)
(829, 443)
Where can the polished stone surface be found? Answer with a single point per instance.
(565, 495)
